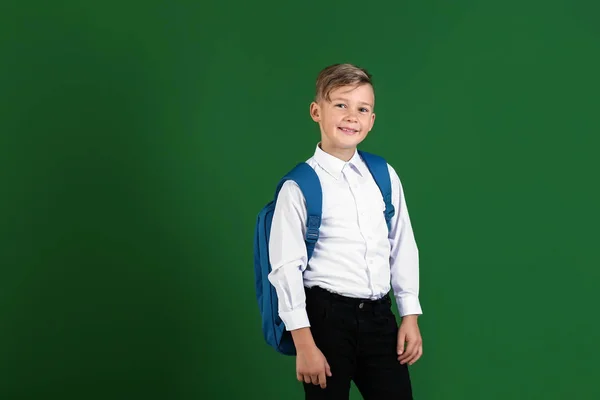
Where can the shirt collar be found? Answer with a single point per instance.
(334, 166)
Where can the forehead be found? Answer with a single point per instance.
(363, 93)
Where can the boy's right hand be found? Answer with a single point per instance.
(311, 366)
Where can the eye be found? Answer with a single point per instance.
(364, 110)
(340, 105)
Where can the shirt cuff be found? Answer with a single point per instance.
(408, 305)
(295, 319)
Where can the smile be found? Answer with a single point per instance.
(348, 131)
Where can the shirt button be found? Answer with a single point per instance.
(360, 305)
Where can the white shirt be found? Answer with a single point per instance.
(355, 255)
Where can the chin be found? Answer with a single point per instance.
(349, 142)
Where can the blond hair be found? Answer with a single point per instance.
(338, 75)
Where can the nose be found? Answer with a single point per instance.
(351, 117)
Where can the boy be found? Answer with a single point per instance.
(338, 307)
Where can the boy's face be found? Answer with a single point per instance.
(346, 119)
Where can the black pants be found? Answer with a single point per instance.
(358, 338)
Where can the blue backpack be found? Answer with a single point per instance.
(304, 175)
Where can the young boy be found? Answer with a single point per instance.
(337, 306)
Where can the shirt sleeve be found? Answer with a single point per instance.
(288, 257)
(404, 256)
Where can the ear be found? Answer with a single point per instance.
(315, 111)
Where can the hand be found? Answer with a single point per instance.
(409, 335)
(311, 366)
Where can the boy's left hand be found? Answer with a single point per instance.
(409, 335)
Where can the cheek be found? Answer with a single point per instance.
(366, 121)
(331, 120)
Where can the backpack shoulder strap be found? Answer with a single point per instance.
(379, 169)
(308, 181)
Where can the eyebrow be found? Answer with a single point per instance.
(346, 100)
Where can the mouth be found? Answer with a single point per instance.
(348, 131)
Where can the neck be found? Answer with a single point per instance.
(342, 154)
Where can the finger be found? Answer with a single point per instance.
(322, 380)
(327, 369)
(307, 378)
(417, 356)
(409, 357)
(401, 343)
(413, 358)
(299, 377)
(409, 352)
(314, 379)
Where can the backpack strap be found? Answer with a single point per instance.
(379, 169)
(308, 181)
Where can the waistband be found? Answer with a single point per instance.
(324, 293)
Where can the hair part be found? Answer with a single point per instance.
(338, 75)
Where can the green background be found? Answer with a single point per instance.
(138, 141)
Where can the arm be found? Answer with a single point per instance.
(404, 263)
(404, 256)
(287, 254)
